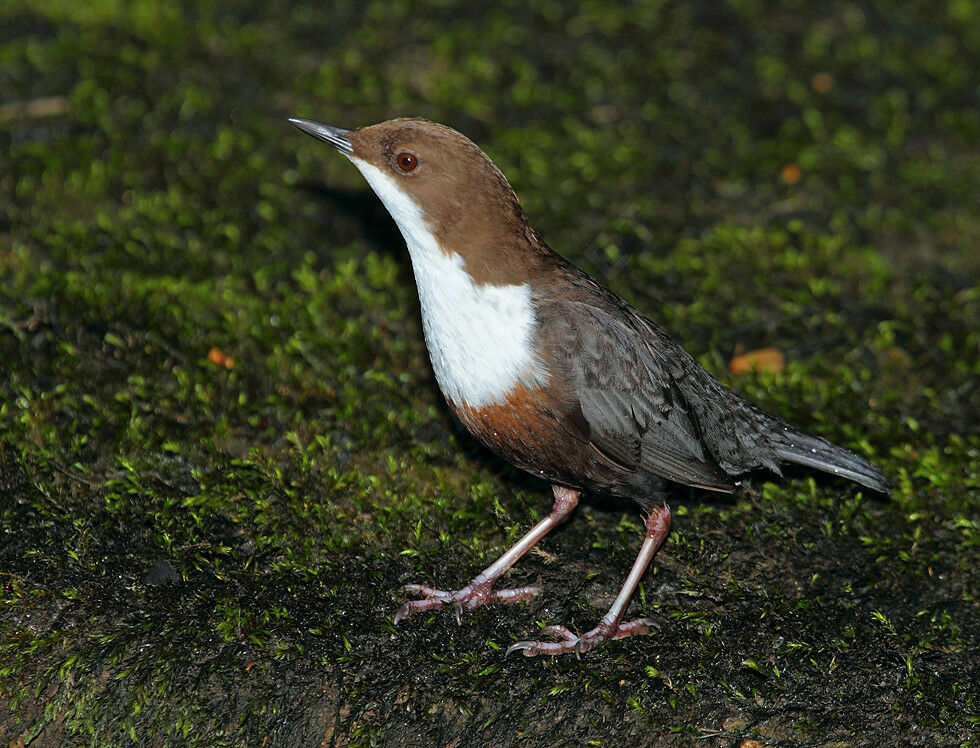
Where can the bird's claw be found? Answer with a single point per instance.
(430, 598)
(570, 642)
(473, 595)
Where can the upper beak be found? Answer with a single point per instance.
(333, 135)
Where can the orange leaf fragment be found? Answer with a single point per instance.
(764, 359)
(217, 357)
(822, 82)
(791, 174)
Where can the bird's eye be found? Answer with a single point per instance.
(406, 161)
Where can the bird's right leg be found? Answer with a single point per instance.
(480, 590)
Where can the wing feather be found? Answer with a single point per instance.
(637, 417)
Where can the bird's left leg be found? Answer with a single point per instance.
(657, 526)
(480, 590)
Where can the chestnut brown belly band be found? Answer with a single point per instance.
(526, 429)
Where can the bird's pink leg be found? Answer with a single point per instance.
(658, 523)
(480, 590)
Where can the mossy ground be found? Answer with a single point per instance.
(201, 546)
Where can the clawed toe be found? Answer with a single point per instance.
(519, 647)
(559, 632)
(430, 598)
(641, 625)
(569, 642)
(473, 595)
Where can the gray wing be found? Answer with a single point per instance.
(637, 417)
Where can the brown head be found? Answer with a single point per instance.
(429, 174)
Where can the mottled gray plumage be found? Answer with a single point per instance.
(655, 413)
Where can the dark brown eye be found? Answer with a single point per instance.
(406, 161)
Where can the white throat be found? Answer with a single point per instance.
(480, 337)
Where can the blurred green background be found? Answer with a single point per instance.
(222, 450)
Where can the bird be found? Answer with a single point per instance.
(553, 371)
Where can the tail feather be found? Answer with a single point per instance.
(812, 451)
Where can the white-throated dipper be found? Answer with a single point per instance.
(551, 370)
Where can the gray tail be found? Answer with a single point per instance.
(813, 452)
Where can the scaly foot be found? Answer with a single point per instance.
(480, 591)
(569, 642)
(473, 595)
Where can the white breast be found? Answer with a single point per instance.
(480, 337)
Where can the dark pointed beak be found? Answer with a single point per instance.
(333, 135)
